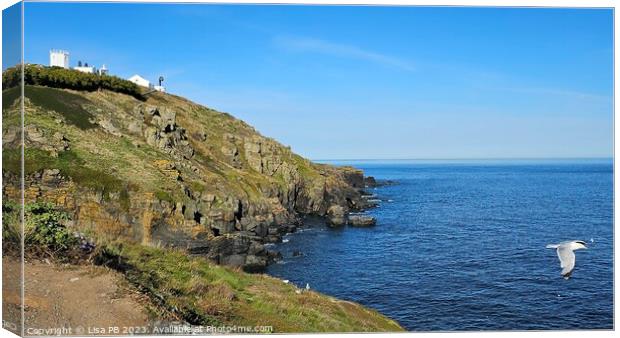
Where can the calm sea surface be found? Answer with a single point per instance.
(460, 245)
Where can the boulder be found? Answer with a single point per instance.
(34, 134)
(370, 182)
(362, 220)
(235, 260)
(10, 135)
(135, 127)
(50, 177)
(273, 256)
(336, 215)
(254, 263)
(109, 127)
(61, 143)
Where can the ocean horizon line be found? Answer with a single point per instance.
(466, 159)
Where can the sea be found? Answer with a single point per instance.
(460, 245)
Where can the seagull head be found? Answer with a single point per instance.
(579, 245)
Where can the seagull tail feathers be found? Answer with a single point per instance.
(552, 246)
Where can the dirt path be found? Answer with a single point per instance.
(85, 298)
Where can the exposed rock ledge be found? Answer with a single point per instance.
(184, 176)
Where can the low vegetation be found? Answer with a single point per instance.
(70, 106)
(202, 293)
(67, 104)
(9, 96)
(67, 78)
(69, 164)
(191, 288)
(44, 231)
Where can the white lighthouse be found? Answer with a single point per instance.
(59, 58)
(103, 70)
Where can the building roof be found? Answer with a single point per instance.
(138, 78)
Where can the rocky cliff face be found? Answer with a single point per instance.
(168, 172)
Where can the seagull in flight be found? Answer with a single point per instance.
(566, 255)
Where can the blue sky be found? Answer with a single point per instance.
(11, 36)
(365, 82)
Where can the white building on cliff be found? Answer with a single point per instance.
(59, 58)
(86, 69)
(140, 81)
(103, 70)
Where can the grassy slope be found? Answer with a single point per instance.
(121, 157)
(197, 290)
(207, 294)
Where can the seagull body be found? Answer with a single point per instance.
(566, 254)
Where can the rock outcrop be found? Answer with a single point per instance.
(336, 215)
(170, 172)
(361, 220)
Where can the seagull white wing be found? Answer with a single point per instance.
(567, 260)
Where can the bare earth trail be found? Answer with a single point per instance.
(87, 297)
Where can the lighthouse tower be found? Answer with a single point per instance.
(103, 70)
(59, 58)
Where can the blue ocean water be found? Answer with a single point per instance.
(460, 245)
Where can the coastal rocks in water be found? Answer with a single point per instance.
(336, 215)
(354, 177)
(362, 220)
(381, 183)
(238, 250)
(370, 182)
(273, 256)
(371, 200)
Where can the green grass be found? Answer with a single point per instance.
(69, 105)
(43, 232)
(168, 277)
(73, 166)
(69, 164)
(9, 96)
(34, 160)
(202, 293)
(196, 186)
(11, 225)
(196, 290)
(163, 196)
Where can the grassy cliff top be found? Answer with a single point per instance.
(208, 294)
(106, 134)
(188, 288)
(168, 147)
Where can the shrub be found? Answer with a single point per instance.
(11, 226)
(67, 78)
(43, 231)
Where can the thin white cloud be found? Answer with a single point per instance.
(559, 92)
(305, 44)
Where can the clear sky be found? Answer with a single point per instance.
(11, 36)
(365, 82)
